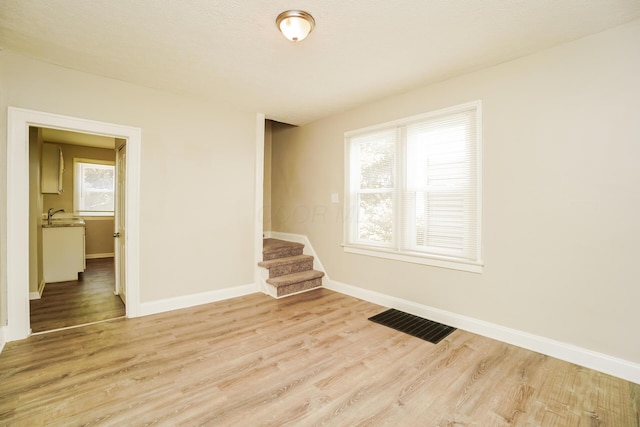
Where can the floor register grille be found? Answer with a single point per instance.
(425, 329)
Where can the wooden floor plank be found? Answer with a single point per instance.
(89, 299)
(310, 359)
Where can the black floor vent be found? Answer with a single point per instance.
(413, 325)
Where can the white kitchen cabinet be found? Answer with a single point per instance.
(51, 169)
(62, 253)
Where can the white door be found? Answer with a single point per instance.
(120, 223)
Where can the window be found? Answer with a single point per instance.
(413, 189)
(94, 187)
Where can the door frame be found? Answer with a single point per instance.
(17, 220)
(259, 202)
(117, 290)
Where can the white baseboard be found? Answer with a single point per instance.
(621, 368)
(3, 337)
(37, 295)
(95, 256)
(186, 301)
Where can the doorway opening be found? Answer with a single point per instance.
(17, 255)
(72, 266)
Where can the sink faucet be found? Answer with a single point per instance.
(51, 213)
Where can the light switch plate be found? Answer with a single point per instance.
(335, 198)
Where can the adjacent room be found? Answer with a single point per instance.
(72, 221)
(320, 213)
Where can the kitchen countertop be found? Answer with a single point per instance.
(64, 222)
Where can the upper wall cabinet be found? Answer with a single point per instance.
(52, 169)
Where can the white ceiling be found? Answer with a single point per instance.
(231, 50)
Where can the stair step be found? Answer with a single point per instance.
(275, 248)
(290, 272)
(284, 261)
(283, 266)
(296, 288)
(292, 278)
(296, 282)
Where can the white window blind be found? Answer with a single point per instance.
(414, 186)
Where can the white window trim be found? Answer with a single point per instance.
(414, 258)
(76, 189)
(405, 256)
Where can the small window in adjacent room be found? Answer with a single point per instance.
(94, 187)
(413, 189)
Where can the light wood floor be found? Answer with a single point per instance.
(72, 303)
(311, 359)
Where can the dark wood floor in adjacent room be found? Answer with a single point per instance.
(310, 359)
(87, 300)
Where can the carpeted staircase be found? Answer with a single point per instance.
(290, 272)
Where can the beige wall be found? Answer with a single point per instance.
(196, 229)
(266, 192)
(98, 233)
(36, 273)
(561, 195)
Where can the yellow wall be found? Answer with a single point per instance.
(69, 151)
(99, 231)
(35, 210)
(99, 237)
(561, 194)
(197, 173)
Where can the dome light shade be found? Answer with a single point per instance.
(295, 24)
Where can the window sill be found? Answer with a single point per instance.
(415, 259)
(101, 217)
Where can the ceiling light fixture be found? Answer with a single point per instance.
(295, 24)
